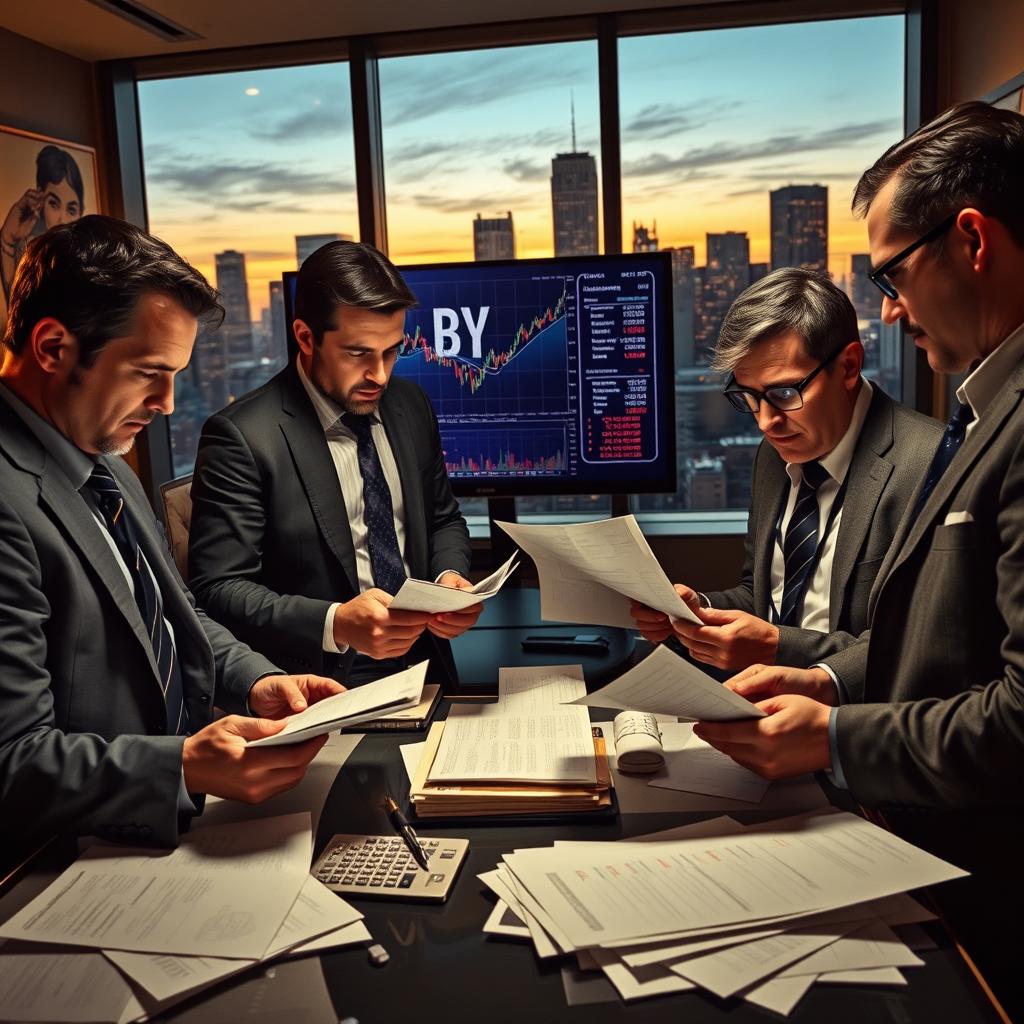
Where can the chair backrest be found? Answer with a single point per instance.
(177, 498)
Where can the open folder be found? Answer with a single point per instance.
(393, 693)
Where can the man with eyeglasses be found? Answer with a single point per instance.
(932, 732)
(831, 481)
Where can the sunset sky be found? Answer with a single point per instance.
(711, 121)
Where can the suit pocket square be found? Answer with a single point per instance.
(958, 517)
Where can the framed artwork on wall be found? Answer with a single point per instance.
(43, 182)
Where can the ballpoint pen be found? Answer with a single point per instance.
(404, 829)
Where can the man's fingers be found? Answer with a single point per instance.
(252, 728)
(743, 734)
(403, 618)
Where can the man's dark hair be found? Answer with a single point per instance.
(90, 275)
(799, 299)
(971, 155)
(54, 165)
(347, 274)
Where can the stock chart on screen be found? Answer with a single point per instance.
(547, 376)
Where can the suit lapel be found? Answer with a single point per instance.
(395, 422)
(868, 474)
(972, 449)
(772, 491)
(312, 457)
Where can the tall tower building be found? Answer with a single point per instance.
(726, 274)
(278, 329)
(799, 226)
(683, 293)
(234, 291)
(645, 239)
(494, 238)
(307, 244)
(574, 201)
(866, 298)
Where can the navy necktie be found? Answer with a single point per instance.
(115, 513)
(378, 512)
(956, 431)
(801, 542)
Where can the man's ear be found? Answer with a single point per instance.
(304, 336)
(852, 361)
(53, 346)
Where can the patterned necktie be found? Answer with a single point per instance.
(956, 431)
(801, 543)
(378, 512)
(147, 596)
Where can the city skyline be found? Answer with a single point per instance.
(711, 122)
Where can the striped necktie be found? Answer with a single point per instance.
(378, 511)
(147, 596)
(801, 542)
(956, 431)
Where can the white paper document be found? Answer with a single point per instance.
(392, 693)
(664, 683)
(421, 596)
(700, 768)
(589, 572)
(801, 866)
(538, 688)
(225, 891)
(872, 946)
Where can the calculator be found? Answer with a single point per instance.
(382, 866)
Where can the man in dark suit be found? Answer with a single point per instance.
(108, 671)
(831, 480)
(315, 496)
(931, 727)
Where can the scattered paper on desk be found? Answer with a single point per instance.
(665, 683)
(434, 598)
(535, 689)
(700, 768)
(589, 572)
(361, 704)
(223, 892)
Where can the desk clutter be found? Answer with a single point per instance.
(761, 913)
(124, 934)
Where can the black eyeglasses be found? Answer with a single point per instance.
(880, 276)
(784, 397)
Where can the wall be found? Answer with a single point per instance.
(981, 47)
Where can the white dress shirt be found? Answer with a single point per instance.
(837, 464)
(988, 377)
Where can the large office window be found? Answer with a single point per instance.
(740, 150)
(245, 173)
(494, 154)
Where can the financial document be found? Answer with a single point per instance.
(664, 683)
(225, 891)
(538, 688)
(422, 596)
(392, 693)
(589, 572)
(700, 768)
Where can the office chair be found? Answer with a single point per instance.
(177, 498)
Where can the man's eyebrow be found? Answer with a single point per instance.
(784, 382)
(154, 364)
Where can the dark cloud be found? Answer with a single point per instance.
(724, 153)
(469, 204)
(425, 149)
(789, 176)
(244, 182)
(521, 169)
(661, 120)
(320, 122)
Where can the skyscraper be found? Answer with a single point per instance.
(306, 244)
(278, 330)
(682, 304)
(574, 201)
(645, 239)
(726, 274)
(233, 286)
(866, 298)
(494, 238)
(799, 226)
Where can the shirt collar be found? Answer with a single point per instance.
(988, 377)
(837, 462)
(328, 411)
(75, 463)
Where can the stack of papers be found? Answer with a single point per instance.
(421, 596)
(761, 913)
(123, 933)
(530, 753)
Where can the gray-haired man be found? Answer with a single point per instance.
(830, 484)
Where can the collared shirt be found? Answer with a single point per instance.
(816, 606)
(344, 449)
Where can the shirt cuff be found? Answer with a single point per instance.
(840, 693)
(185, 805)
(328, 639)
(444, 572)
(702, 600)
(836, 776)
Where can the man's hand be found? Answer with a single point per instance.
(656, 626)
(22, 217)
(449, 625)
(729, 638)
(367, 624)
(791, 740)
(280, 696)
(761, 681)
(217, 761)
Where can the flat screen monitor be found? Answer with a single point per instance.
(548, 376)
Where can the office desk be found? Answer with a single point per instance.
(444, 970)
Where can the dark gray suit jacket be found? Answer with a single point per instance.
(946, 647)
(270, 547)
(892, 453)
(82, 714)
